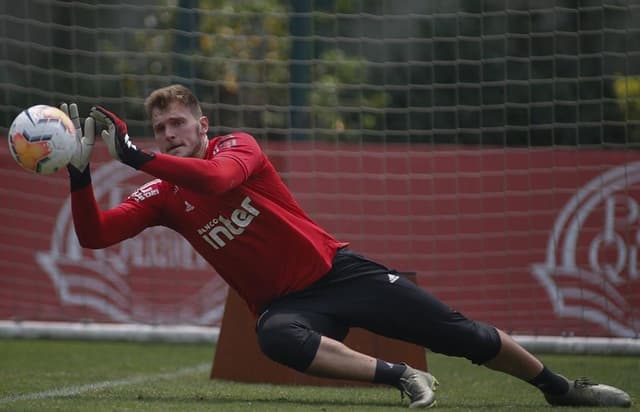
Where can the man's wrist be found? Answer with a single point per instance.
(78, 179)
(137, 158)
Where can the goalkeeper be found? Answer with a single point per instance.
(305, 288)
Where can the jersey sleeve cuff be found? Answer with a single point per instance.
(79, 180)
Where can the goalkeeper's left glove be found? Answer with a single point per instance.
(117, 139)
(78, 167)
(85, 141)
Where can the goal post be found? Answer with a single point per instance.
(211, 334)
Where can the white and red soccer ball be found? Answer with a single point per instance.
(42, 139)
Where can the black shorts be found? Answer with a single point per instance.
(358, 292)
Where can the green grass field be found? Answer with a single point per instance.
(45, 375)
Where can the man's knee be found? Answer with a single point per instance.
(288, 341)
(470, 339)
(484, 342)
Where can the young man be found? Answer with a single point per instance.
(305, 288)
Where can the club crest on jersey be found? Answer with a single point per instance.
(227, 142)
(592, 267)
(218, 231)
(145, 191)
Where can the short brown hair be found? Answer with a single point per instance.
(163, 97)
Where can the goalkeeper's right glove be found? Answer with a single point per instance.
(78, 166)
(117, 139)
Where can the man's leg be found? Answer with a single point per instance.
(311, 343)
(558, 390)
(302, 341)
(514, 359)
(397, 308)
(336, 360)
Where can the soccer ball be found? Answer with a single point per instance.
(42, 139)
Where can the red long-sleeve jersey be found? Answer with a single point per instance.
(232, 207)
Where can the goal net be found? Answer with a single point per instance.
(489, 147)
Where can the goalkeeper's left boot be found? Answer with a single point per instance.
(419, 386)
(583, 392)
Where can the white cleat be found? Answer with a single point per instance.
(419, 386)
(583, 392)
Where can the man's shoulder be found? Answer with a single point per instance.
(231, 136)
(231, 141)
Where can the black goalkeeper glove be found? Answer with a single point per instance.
(117, 139)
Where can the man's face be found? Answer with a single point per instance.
(178, 132)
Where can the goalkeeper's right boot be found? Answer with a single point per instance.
(419, 386)
(583, 392)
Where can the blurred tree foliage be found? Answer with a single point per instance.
(627, 89)
(232, 54)
(235, 56)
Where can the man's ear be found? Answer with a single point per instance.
(204, 124)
